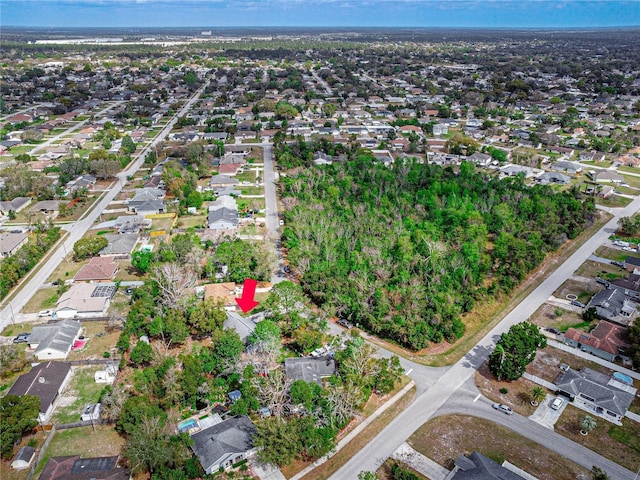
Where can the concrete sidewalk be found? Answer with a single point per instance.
(427, 467)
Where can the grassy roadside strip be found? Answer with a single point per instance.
(356, 440)
(45, 258)
(483, 318)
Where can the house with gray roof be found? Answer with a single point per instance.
(224, 444)
(310, 369)
(613, 305)
(606, 176)
(553, 177)
(147, 207)
(566, 167)
(223, 219)
(54, 342)
(478, 467)
(45, 381)
(629, 286)
(11, 242)
(15, 205)
(596, 393)
(119, 245)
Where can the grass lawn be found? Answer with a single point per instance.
(620, 444)
(43, 299)
(384, 472)
(82, 389)
(552, 316)
(26, 327)
(127, 272)
(614, 201)
(79, 209)
(614, 254)
(96, 345)
(593, 269)
(189, 221)
(251, 190)
(632, 180)
(66, 270)
(162, 224)
(583, 290)
(84, 441)
(249, 176)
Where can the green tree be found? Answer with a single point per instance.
(515, 350)
(224, 353)
(142, 260)
(537, 395)
(18, 416)
(587, 424)
(598, 474)
(277, 441)
(141, 353)
(89, 247)
(128, 145)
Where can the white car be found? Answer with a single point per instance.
(557, 403)
(281, 222)
(45, 313)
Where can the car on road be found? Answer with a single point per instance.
(555, 331)
(45, 313)
(345, 323)
(501, 407)
(22, 338)
(557, 403)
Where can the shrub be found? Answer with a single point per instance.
(504, 391)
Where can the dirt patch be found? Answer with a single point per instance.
(518, 392)
(578, 288)
(446, 437)
(547, 362)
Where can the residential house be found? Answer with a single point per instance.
(629, 286)
(15, 205)
(612, 304)
(54, 342)
(228, 169)
(222, 219)
(222, 292)
(144, 208)
(478, 467)
(566, 167)
(45, 381)
(47, 206)
(85, 300)
(310, 369)
(553, 177)
(440, 129)
(217, 181)
(632, 264)
(120, 246)
(513, 170)
(23, 458)
(83, 181)
(596, 392)
(224, 444)
(606, 176)
(131, 224)
(481, 159)
(607, 341)
(75, 468)
(10, 243)
(98, 269)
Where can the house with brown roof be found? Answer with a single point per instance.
(223, 292)
(98, 269)
(607, 341)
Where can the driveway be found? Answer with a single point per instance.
(266, 471)
(545, 415)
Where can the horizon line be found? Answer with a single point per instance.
(421, 27)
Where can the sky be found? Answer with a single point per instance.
(321, 13)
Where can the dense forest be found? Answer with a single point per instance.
(404, 251)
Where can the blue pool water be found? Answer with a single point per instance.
(186, 425)
(621, 377)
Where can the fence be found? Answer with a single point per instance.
(41, 453)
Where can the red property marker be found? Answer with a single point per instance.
(246, 302)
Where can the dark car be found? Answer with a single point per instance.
(128, 291)
(555, 331)
(344, 323)
(577, 303)
(503, 408)
(287, 269)
(22, 338)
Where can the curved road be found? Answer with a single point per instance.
(448, 385)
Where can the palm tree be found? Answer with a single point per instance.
(537, 394)
(587, 424)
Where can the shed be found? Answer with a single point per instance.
(24, 458)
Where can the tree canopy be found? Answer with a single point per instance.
(515, 350)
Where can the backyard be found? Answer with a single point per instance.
(82, 389)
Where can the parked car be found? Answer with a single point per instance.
(287, 269)
(22, 338)
(503, 408)
(557, 403)
(555, 331)
(128, 291)
(619, 264)
(345, 323)
(577, 303)
(281, 222)
(45, 313)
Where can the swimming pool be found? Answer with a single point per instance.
(621, 377)
(187, 425)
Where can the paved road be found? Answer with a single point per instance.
(426, 404)
(463, 403)
(73, 128)
(324, 84)
(79, 228)
(271, 205)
